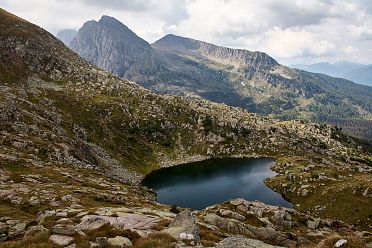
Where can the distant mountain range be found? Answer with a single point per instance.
(358, 73)
(251, 80)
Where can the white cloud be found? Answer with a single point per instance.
(292, 31)
(295, 42)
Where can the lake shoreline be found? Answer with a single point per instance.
(217, 168)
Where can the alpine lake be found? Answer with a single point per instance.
(201, 184)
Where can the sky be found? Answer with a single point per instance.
(291, 31)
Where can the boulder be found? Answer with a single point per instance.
(101, 242)
(17, 229)
(242, 242)
(231, 214)
(4, 228)
(63, 229)
(340, 243)
(3, 237)
(184, 223)
(92, 222)
(119, 241)
(282, 218)
(313, 224)
(36, 229)
(61, 240)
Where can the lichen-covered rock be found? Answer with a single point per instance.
(184, 227)
(119, 241)
(89, 223)
(242, 242)
(61, 240)
(33, 230)
(64, 229)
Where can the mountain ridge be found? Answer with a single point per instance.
(240, 57)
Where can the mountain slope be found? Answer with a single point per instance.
(60, 114)
(252, 80)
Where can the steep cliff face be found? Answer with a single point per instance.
(114, 47)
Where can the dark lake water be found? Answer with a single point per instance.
(201, 184)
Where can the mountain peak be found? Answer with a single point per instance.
(110, 20)
(111, 45)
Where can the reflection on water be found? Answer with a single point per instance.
(201, 184)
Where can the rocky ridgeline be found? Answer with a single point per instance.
(240, 58)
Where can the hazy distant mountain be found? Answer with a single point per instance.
(251, 80)
(67, 35)
(333, 69)
(362, 75)
(358, 73)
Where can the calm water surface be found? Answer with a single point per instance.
(201, 184)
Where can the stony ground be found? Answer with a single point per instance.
(82, 208)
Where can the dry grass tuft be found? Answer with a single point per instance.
(209, 237)
(156, 240)
(40, 240)
(352, 242)
(162, 224)
(111, 232)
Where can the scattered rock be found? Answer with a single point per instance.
(313, 224)
(340, 243)
(36, 229)
(101, 242)
(63, 229)
(3, 228)
(3, 237)
(61, 239)
(92, 223)
(184, 224)
(242, 242)
(119, 241)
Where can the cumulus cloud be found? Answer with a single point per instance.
(293, 31)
